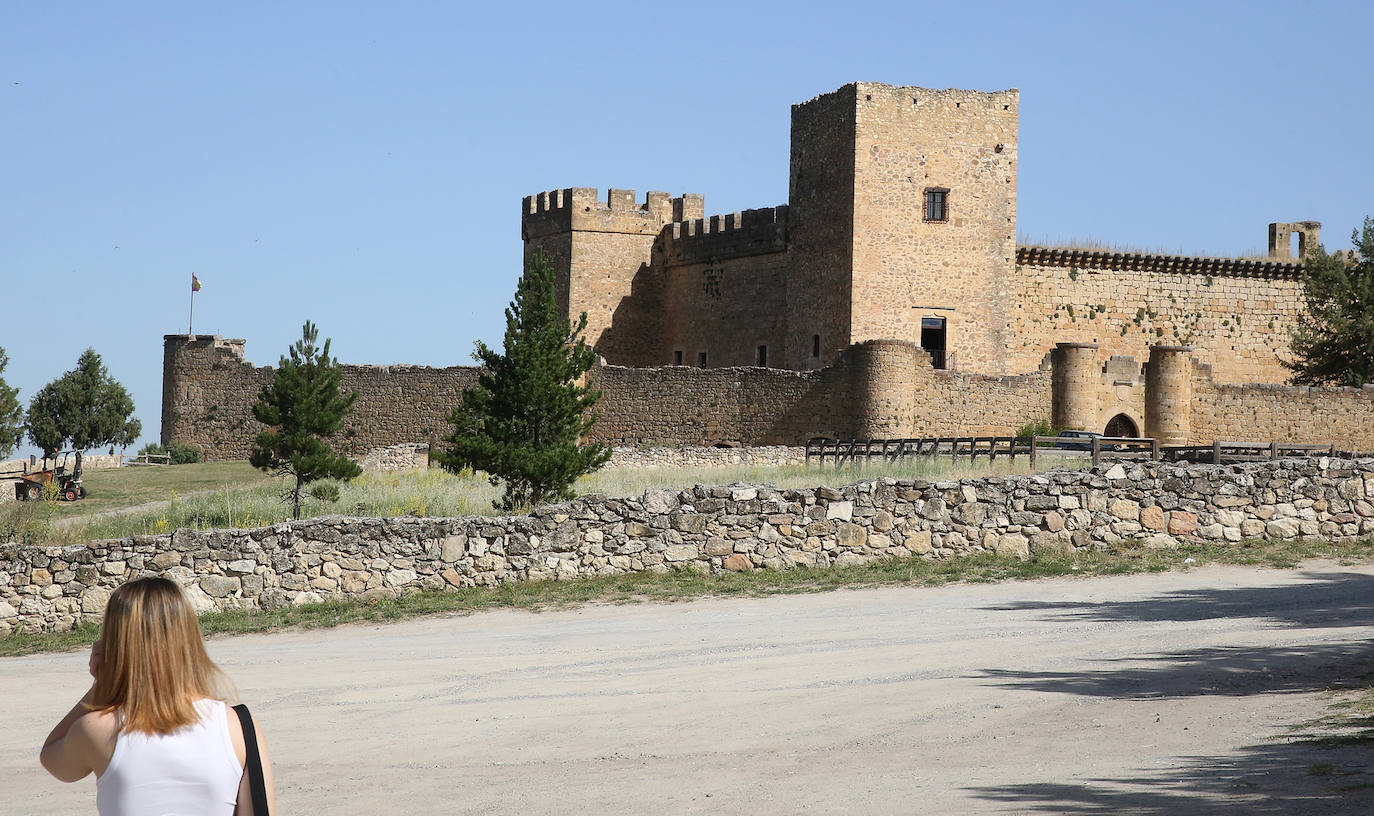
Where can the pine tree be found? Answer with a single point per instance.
(302, 408)
(11, 412)
(1334, 343)
(84, 408)
(523, 422)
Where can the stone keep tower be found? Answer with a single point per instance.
(903, 208)
(601, 252)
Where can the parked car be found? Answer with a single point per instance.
(1078, 440)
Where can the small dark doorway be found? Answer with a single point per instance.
(1123, 426)
(933, 339)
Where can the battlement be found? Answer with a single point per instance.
(582, 208)
(751, 232)
(944, 100)
(1149, 262)
(234, 346)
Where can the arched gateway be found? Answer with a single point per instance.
(1121, 425)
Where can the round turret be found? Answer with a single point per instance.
(1169, 394)
(1077, 377)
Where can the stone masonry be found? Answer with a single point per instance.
(855, 256)
(708, 529)
(886, 298)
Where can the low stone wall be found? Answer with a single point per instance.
(415, 456)
(710, 529)
(396, 458)
(764, 456)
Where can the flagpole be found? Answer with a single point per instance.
(191, 318)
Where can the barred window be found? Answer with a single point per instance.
(937, 204)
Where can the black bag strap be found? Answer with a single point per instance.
(253, 767)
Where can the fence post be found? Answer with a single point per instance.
(1097, 450)
(1216, 452)
(1154, 449)
(1273, 450)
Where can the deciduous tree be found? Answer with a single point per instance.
(84, 408)
(11, 412)
(302, 408)
(523, 423)
(1334, 342)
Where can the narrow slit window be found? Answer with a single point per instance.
(763, 356)
(701, 359)
(815, 345)
(937, 204)
(677, 358)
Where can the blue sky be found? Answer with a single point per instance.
(361, 164)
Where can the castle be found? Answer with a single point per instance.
(901, 225)
(887, 298)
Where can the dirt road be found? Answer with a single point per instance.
(1145, 694)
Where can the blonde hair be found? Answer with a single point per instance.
(154, 664)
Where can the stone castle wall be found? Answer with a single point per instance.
(854, 257)
(1236, 315)
(726, 308)
(208, 390)
(707, 529)
(877, 389)
(1299, 414)
(820, 228)
(685, 405)
(907, 265)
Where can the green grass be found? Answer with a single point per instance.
(116, 488)
(233, 495)
(688, 585)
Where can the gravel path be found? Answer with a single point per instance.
(1146, 694)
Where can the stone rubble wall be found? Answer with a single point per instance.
(1235, 315)
(763, 456)
(401, 458)
(708, 529)
(90, 461)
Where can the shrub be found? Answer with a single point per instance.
(177, 453)
(327, 492)
(183, 454)
(1040, 427)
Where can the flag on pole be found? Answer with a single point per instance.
(195, 283)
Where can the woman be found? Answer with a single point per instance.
(154, 727)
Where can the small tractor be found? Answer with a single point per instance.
(29, 487)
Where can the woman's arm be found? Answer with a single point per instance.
(245, 805)
(83, 740)
(69, 753)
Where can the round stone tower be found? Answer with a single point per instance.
(884, 387)
(1169, 395)
(1077, 377)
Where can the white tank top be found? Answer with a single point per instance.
(190, 772)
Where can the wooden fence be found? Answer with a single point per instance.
(1221, 453)
(853, 451)
(838, 451)
(1114, 447)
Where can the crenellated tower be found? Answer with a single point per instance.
(602, 252)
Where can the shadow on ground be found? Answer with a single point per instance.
(1288, 778)
(1288, 775)
(1325, 600)
(1231, 671)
